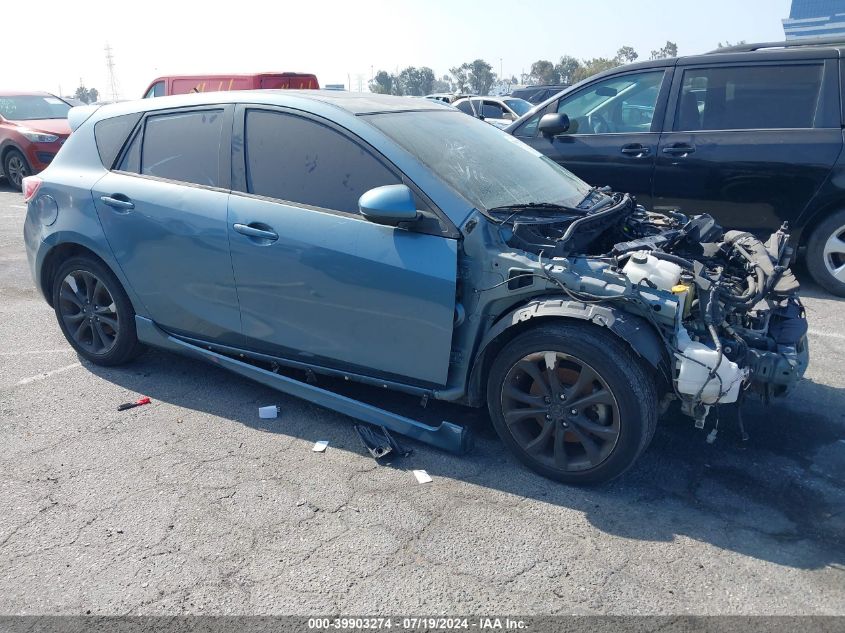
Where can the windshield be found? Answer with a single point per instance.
(489, 167)
(520, 106)
(33, 107)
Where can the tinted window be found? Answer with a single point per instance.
(464, 106)
(749, 97)
(299, 160)
(493, 110)
(157, 90)
(184, 146)
(618, 104)
(110, 135)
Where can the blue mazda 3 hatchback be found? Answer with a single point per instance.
(400, 244)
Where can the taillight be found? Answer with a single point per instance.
(30, 186)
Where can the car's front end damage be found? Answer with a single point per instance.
(724, 305)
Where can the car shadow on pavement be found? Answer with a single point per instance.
(777, 497)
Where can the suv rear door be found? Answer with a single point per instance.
(749, 138)
(163, 209)
(615, 128)
(317, 282)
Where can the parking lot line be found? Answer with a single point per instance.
(37, 377)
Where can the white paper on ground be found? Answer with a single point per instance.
(267, 413)
(422, 476)
(320, 447)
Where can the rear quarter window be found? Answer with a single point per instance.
(111, 134)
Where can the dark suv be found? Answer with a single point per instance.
(750, 134)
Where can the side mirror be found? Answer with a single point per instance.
(390, 205)
(553, 124)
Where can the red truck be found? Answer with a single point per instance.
(183, 84)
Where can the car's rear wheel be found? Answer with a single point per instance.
(826, 253)
(16, 168)
(94, 313)
(572, 402)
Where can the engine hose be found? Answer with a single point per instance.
(741, 300)
(675, 259)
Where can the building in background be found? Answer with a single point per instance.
(815, 18)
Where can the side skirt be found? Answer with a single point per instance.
(447, 436)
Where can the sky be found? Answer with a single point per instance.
(62, 42)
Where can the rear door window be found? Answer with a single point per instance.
(183, 146)
(749, 97)
(299, 160)
(110, 135)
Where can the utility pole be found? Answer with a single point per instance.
(110, 67)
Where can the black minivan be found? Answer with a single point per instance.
(750, 134)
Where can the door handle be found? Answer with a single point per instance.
(254, 230)
(118, 201)
(680, 149)
(635, 149)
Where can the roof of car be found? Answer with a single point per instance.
(24, 93)
(362, 102)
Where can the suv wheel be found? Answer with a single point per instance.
(572, 402)
(15, 168)
(826, 253)
(94, 313)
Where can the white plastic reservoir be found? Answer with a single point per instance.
(642, 265)
(695, 362)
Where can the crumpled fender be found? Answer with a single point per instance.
(634, 330)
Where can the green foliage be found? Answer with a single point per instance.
(382, 83)
(85, 95)
(669, 50)
(543, 72)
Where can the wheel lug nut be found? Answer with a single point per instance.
(573, 411)
(563, 396)
(548, 417)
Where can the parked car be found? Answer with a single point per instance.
(445, 97)
(751, 135)
(398, 243)
(538, 94)
(184, 84)
(498, 111)
(33, 126)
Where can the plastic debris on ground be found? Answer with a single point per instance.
(132, 405)
(320, 447)
(268, 413)
(422, 476)
(380, 443)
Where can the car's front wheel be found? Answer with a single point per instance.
(94, 313)
(826, 253)
(15, 168)
(572, 402)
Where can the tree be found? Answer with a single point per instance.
(382, 83)
(567, 68)
(414, 81)
(728, 44)
(626, 55)
(543, 72)
(460, 78)
(480, 76)
(590, 67)
(670, 50)
(444, 84)
(85, 95)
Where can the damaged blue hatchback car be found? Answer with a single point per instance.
(398, 243)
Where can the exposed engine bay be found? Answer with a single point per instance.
(724, 303)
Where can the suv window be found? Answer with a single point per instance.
(464, 106)
(493, 110)
(623, 103)
(300, 160)
(749, 97)
(182, 146)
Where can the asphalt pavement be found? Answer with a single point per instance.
(193, 504)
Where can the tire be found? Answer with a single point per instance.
(826, 254)
(616, 423)
(15, 168)
(101, 333)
